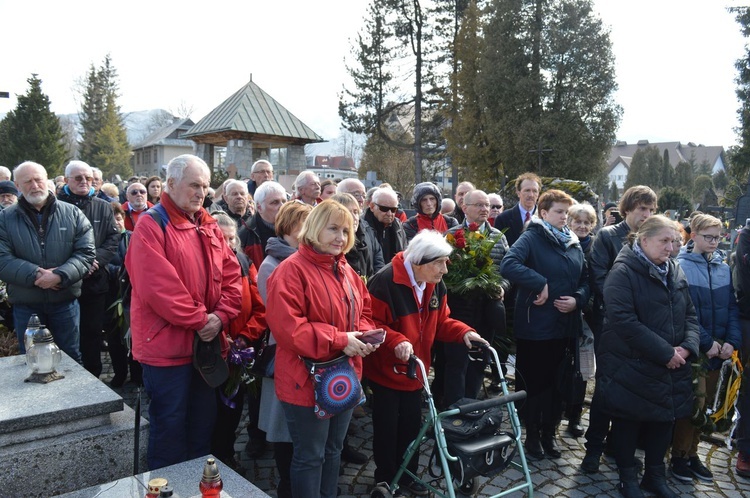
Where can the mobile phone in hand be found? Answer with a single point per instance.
(374, 337)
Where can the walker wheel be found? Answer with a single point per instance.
(468, 488)
(380, 492)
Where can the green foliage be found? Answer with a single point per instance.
(672, 198)
(392, 164)
(104, 142)
(218, 176)
(578, 190)
(472, 270)
(547, 82)
(720, 180)
(740, 155)
(645, 168)
(32, 132)
(701, 186)
(683, 177)
(614, 193)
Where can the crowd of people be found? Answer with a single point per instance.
(191, 280)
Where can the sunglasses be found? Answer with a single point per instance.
(496, 206)
(81, 178)
(385, 209)
(137, 191)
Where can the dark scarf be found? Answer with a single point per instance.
(386, 235)
(38, 217)
(357, 257)
(265, 230)
(79, 201)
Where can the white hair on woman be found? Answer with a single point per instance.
(427, 246)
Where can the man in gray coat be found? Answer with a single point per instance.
(46, 248)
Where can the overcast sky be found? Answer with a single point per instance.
(675, 58)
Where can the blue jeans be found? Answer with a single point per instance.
(182, 414)
(317, 450)
(62, 319)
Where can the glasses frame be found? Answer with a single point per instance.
(710, 238)
(385, 209)
(137, 192)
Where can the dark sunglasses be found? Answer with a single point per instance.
(81, 178)
(385, 209)
(496, 206)
(136, 192)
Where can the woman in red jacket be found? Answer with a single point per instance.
(317, 308)
(409, 302)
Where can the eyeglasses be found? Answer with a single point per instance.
(710, 238)
(137, 192)
(385, 209)
(479, 205)
(82, 178)
(357, 195)
(496, 206)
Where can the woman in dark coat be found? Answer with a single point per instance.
(650, 337)
(546, 264)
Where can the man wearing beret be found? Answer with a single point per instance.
(8, 194)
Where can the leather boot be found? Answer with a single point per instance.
(575, 428)
(628, 485)
(533, 444)
(549, 441)
(655, 481)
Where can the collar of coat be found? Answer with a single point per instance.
(180, 219)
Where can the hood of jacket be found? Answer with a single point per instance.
(278, 248)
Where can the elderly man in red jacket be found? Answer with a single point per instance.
(186, 281)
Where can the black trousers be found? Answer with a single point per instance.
(227, 420)
(92, 324)
(654, 437)
(537, 366)
(396, 420)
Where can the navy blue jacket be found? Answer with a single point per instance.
(712, 294)
(537, 258)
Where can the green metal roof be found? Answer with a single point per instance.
(250, 113)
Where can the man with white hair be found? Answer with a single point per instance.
(136, 205)
(496, 207)
(382, 217)
(307, 186)
(46, 248)
(353, 187)
(261, 172)
(260, 227)
(78, 191)
(234, 202)
(186, 290)
(97, 184)
(4, 174)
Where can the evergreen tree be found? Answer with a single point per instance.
(392, 164)
(667, 174)
(100, 115)
(740, 155)
(701, 187)
(720, 180)
(547, 81)
(672, 198)
(614, 193)
(683, 177)
(32, 132)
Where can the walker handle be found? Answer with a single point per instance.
(489, 403)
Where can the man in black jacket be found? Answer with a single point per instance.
(382, 217)
(78, 190)
(513, 221)
(637, 204)
(46, 248)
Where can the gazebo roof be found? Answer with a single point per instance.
(251, 114)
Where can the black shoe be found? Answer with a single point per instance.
(655, 481)
(699, 470)
(534, 449)
(628, 485)
(550, 448)
(118, 380)
(255, 447)
(349, 454)
(416, 488)
(575, 429)
(590, 463)
(681, 469)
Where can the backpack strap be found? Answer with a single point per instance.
(160, 216)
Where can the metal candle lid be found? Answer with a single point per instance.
(155, 484)
(43, 336)
(211, 471)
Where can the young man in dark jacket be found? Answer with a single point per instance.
(78, 190)
(46, 248)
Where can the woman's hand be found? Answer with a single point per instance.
(403, 351)
(541, 298)
(472, 336)
(355, 347)
(565, 304)
(677, 361)
(726, 351)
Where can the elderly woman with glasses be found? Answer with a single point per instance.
(409, 301)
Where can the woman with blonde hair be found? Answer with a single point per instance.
(318, 308)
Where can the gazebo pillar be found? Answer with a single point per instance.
(240, 154)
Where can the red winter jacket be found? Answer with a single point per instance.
(308, 303)
(131, 217)
(251, 321)
(179, 274)
(394, 308)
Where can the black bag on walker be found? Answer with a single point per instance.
(476, 439)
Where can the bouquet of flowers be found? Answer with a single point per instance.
(240, 362)
(471, 269)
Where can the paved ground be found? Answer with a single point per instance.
(551, 478)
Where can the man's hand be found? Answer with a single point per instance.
(726, 351)
(403, 351)
(541, 298)
(565, 304)
(94, 267)
(211, 328)
(46, 279)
